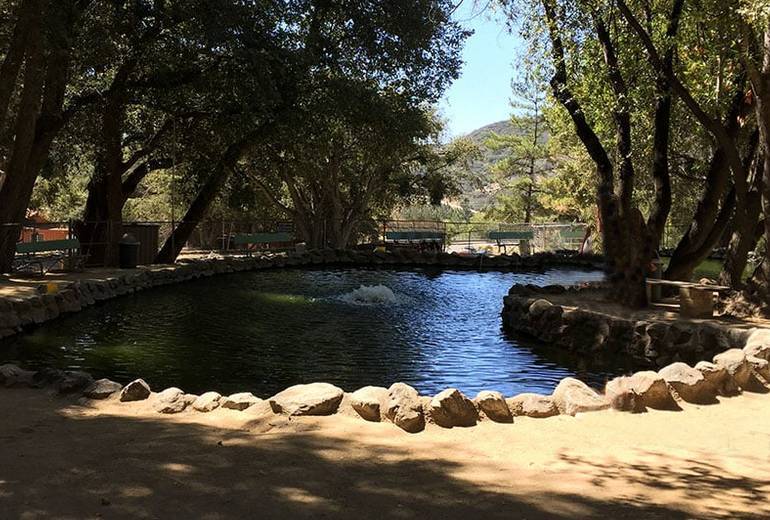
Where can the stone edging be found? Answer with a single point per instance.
(646, 343)
(732, 372)
(16, 313)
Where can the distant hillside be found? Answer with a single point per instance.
(479, 193)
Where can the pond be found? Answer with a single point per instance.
(264, 331)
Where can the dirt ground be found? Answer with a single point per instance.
(69, 460)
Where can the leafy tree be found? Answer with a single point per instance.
(527, 161)
(38, 55)
(402, 50)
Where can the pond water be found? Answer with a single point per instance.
(264, 331)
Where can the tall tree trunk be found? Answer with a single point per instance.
(208, 193)
(40, 115)
(710, 218)
(195, 213)
(101, 227)
(18, 174)
(759, 285)
(744, 237)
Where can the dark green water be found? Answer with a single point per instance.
(264, 331)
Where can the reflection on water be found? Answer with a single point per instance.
(264, 331)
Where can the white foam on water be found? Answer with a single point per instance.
(370, 295)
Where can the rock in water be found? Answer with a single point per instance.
(572, 396)
(311, 399)
(136, 390)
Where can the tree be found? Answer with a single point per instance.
(746, 170)
(528, 159)
(364, 150)
(38, 59)
(628, 239)
(407, 49)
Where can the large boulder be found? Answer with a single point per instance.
(102, 389)
(758, 344)
(737, 366)
(137, 390)
(311, 399)
(572, 396)
(451, 408)
(718, 377)
(642, 390)
(170, 400)
(368, 402)
(404, 408)
(12, 375)
(532, 405)
(689, 383)
(239, 401)
(207, 402)
(493, 406)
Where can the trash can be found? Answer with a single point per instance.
(128, 249)
(656, 273)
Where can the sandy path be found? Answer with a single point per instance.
(62, 460)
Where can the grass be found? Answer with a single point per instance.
(711, 268)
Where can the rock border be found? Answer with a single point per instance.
(731, 373)
(20, 312)
(649, 344)
(732, 370)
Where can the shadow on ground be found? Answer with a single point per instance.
(120, 467)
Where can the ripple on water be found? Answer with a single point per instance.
(267, 330)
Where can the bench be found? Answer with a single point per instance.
(48, 253)
(508, 238)
(251, 239)
(696, 300)
(416, 236)
(573, 236)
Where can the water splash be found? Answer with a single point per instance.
(370, 295)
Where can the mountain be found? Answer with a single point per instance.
(480, 190)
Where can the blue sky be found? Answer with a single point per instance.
(482, 93)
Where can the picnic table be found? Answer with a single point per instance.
(696, 300)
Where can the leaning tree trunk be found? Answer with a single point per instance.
(195, 213)
(742, 242)
(711, 219)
